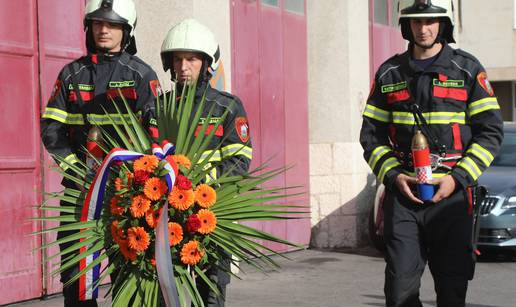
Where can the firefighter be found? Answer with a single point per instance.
(87, 86)
(192, 54)
(445, 93)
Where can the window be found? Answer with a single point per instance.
(270, 2)
(381, 12)
(295, 6)
(395, 12)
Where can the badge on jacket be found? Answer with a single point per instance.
(242, 128)
(55, 91)
(484, 83)
(155, 88)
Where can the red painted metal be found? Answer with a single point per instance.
(295, 76)
(270, 75)
(385, 40)
(20, 267)
(61, 41)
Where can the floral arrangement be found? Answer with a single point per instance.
(140, 185)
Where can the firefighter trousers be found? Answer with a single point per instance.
(439, 234)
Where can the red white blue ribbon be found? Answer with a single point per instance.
(88, 287)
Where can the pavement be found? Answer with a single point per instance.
(344, 278)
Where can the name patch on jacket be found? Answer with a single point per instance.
(211, 125)
(85, 90)
(396, 92)
(453, 89)
(122, 88)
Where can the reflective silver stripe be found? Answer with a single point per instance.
(479, 106)
(471, 167)
(237, 149)
(377, 154)
(99, 119)
(377, 113)
(63, 117)
(407, 118)
(480, 152)
(216, 156)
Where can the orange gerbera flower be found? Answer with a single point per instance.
(139, 206)
(128, 253)
(205, 196)
(138, 239)
(208, 221)
(146, 163)
(175, 233)
(181, 199)
(152, 217)
(153, 261)
(119, 185)
(190, 253)
(154, 188)
(117, 233)
(181, 160)
(115, 208)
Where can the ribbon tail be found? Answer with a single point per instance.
(164, 267)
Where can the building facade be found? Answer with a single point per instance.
(302, 68)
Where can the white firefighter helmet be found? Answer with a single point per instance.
(190, 35)
(442, 9)
(114, 11)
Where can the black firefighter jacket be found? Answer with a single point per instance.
(230, 150)
(99, 79)
(456, 100)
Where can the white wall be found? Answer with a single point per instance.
(338, 77)
(156, 17)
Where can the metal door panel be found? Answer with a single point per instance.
(272, 104)
(61, 41)
(20, 268)
(269, 74)
(246, 71)
(296, 117)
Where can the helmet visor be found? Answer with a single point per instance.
(423, 7)
(106, 14)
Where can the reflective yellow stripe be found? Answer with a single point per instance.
(407, 118)
(212, 174)
(237, 149)
(216, 156)
(377, 154)
(471, 167)
(377, 113)
(103, 119)
(479, 106)
(63, 117)
(480, 152)
(387, 166)
(70, 159)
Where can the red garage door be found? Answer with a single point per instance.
(385, 35)
(270, 76)
(61, 40)
(36, 38)
(20, 269)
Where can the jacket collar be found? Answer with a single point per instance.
(443, 60)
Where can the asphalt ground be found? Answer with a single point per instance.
(345, 278)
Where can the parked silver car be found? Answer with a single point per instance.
(497, 215)
(498, 211)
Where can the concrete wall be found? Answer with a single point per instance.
(487, 32)
(338, 77)
(156, 17)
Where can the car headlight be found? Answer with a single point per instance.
(510, 204)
